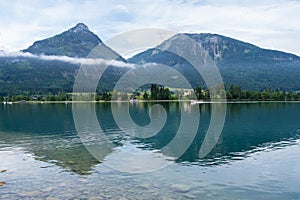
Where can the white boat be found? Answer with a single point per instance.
(10, 102)
(133, 100)
(197, 101)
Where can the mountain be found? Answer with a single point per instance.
(75, 42)
(239, 63)
(30, 75)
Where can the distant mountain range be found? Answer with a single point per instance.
(240, 63)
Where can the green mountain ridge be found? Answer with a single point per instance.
(21, 74)
(240, 63)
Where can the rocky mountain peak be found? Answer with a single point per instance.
(78, 41)
(79, 27)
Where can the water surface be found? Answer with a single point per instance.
(256, 157)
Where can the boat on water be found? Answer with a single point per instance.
(134, 100)
(197, 101)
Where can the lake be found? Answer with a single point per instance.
(42, 156)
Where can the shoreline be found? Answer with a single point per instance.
(145, 101)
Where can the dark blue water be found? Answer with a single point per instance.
(255, 157)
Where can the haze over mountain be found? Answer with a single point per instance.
(240, 63)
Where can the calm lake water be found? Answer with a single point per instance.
(257, 155)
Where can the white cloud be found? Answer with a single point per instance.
(72, 60)
(270, 24)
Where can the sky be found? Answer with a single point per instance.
(272, 24)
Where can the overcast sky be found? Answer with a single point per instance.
(268, 24)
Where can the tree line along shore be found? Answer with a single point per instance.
(157, 93)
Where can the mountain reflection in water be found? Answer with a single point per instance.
(48, 133)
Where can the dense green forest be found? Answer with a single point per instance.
(236, 93)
